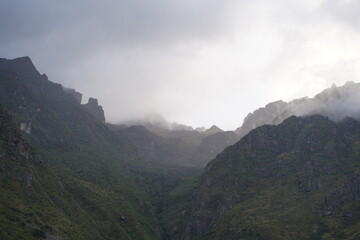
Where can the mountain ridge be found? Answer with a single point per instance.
(278, 175)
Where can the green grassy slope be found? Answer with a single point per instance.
(33, 202)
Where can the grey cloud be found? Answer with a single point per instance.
(193, 61)
(344, 11)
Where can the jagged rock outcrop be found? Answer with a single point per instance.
(266, 115)
(347, 193)
(337, 103)
(95, 109)
(23, 66)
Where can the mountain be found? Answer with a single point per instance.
(66, 174)
(101, 173)
(215, 143)
(337, 103)
(212, 130)
(181, 148)
(297, 180)
(173, 151)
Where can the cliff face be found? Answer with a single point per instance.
(273, 183)
(95, 109)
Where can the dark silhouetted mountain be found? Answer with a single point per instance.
(23, 67)
(105, 182)
(95, 109)
(296, 180)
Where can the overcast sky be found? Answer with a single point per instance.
(197, 62)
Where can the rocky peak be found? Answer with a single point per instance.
(95, 109)
(213, 129)
(23, 67)
(265, 115)
(337, 103)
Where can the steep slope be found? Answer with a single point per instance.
(96, 167)
(336, 103)
(297, 180)
(33, 202)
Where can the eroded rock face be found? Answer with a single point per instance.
(26, 126)
(95, 109)
(346, 193)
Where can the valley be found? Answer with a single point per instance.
(291, 171)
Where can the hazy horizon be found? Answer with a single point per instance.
(198, 63)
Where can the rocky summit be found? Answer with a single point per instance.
(93, 107)
(337, 103)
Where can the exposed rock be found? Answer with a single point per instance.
(26, 127)
(299, 157)
(348, 192)
(23, 67)
(337, 103)
(95, 109)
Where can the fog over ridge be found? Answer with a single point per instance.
(194, 62)
(336, 103)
